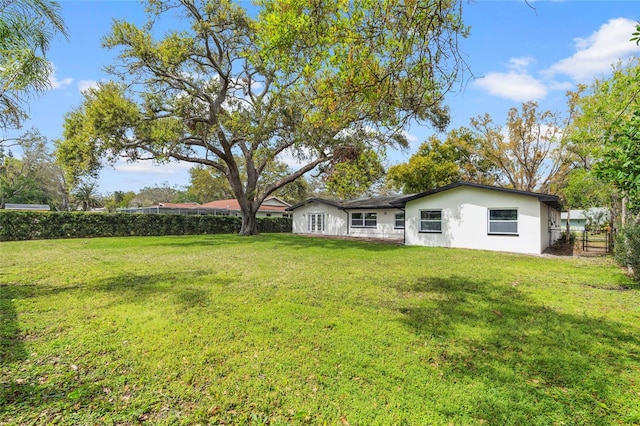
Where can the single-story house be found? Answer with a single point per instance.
(462, 214)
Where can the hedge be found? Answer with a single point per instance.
(16, 226)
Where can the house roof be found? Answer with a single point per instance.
(269, 201)
(575, 215)
(384, 202)
(582, 214)
(396, 202)
(43, 207)
(233, 205)
(550, 200)
(332, 203)
(179, 205)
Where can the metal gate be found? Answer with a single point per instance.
(597, 241)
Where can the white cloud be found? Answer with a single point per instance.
(148, 166)
(87, 84)
(59, 84)
(596, 53)
(412, 139)
(516, 85)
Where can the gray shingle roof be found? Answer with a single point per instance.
(399, 201)
(361, 203)
(551, 200)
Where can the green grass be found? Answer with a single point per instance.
(281, 329)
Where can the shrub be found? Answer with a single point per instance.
(563, 238)
(16, 226)
(627, 249)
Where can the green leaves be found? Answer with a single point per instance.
(636, 35)
(359, 59)
(354, 177)
(27, 28)
(101, 127)
(620, 163)
(286, 81)
(435, 164)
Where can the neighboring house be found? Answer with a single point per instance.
(577, 220)
(27, 207)
(462, 214)
(594, 217)
(372, 218)
(271, 207)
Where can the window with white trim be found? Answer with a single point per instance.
(399, 221)
(364, 220)
(430, 220)
(315, 222)
(503, 221)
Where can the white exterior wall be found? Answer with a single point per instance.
(335, 219)
(386, 219)
(338, 222)
(465, 220)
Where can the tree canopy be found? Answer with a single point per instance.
(34, 177)
(528, 152)
(289, 80)
(436, 163)
(27, 28)
(604, 133)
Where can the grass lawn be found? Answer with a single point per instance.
(281, 329)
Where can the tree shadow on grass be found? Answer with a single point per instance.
(11, 344)
(285, 240)
(335, 243)
(188, 289)
(185, 290)
(536, 364)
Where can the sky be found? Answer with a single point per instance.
(516, 52)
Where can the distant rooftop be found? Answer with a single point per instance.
(28, 207)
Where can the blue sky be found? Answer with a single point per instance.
(516, 53)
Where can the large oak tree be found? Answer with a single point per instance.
(288, 78)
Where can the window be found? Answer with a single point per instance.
(399, 220)
(315, 222)
(364, 220)
(430, 220)
(503, 221)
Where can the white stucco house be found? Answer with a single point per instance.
(462, 215)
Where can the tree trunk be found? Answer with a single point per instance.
(249, 223)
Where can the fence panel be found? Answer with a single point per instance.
(597, 241)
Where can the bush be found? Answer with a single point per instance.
(16, 226)
(563, 238)
(627, 249)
